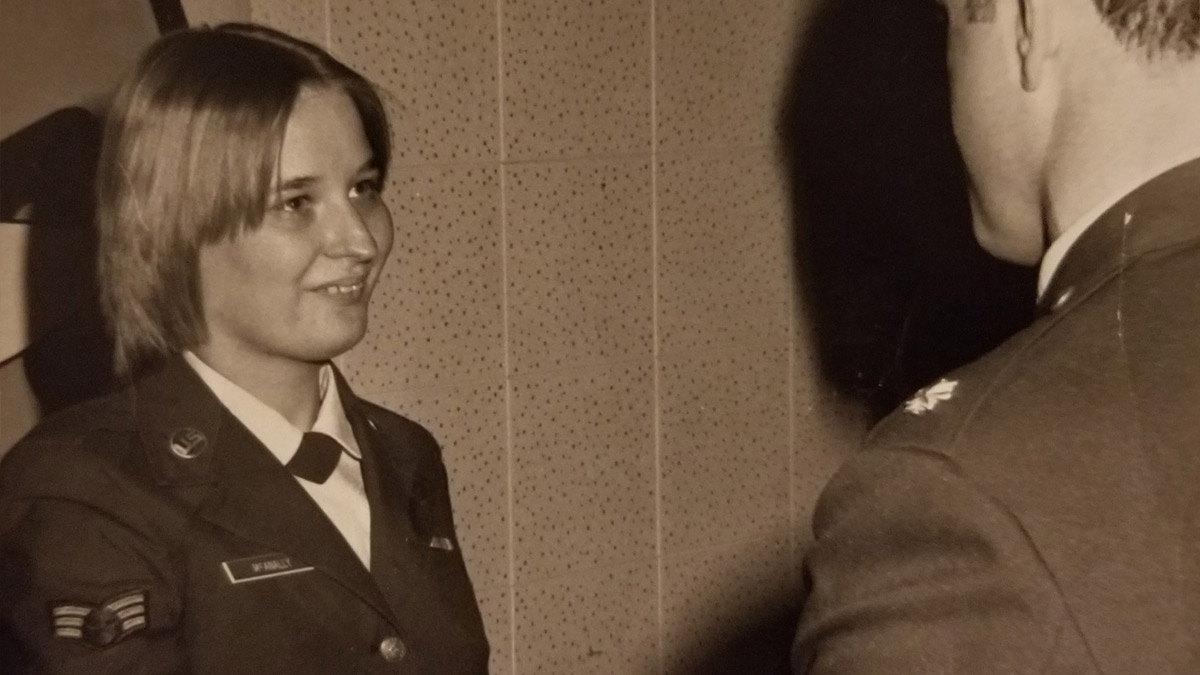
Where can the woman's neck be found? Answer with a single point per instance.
(290, 387)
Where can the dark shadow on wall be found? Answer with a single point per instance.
(898, 290)
(49, 168)
(760, 646)
(763, 647)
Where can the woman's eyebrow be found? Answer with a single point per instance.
(297, 183)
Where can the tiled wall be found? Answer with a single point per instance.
(590, 304)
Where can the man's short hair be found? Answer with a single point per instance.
(1157, 27)
(190, 153)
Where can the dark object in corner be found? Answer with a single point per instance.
(48, 169)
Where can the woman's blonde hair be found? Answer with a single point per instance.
(189, 156)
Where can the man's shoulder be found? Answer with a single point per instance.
(1059, 376)
(1045, 421)
(935, 416)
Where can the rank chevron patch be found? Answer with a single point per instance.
(100, 625)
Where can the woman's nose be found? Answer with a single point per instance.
(350, 234)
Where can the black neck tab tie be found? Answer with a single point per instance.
(317, 457)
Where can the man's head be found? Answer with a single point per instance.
(1155, 27)
(1029, 79)
(191, 150)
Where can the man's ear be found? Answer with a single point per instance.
(1033, 40)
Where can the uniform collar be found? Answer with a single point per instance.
(1058, 248)
(182, 423)
(179, 422)
(1159, 214)
(197, 448)
(272, 429)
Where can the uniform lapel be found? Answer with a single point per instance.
(388, 476)
(245, 490)
(265, 504)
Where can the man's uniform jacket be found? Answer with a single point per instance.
(150, 532)
(1037, 511)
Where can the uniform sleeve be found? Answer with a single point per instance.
(432, 512)
(915, 570)
(82, 593)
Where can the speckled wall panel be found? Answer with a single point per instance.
(722, 66)
(583, 469)
(437, 61)
(724, 445)
(305, 19)
(437, 314)
(468, 422)
(724, 242)
(721, 601)
(576, 77)
(517, 319)
(496, 607)
(602, 622)
(579, 263)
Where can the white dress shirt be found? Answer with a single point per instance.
(342, 497)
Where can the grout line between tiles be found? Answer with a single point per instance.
(791, 383)
(508, 424)
(658, 501)
(328, 26)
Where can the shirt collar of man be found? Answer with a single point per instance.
(1059, 247)
(279, 435)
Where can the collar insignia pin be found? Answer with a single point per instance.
(928, 398)
(187, 443)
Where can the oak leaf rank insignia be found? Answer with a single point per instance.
(928, 398)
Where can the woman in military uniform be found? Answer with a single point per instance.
(236, 508)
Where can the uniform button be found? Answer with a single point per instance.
(392, 649)
(1063, 299)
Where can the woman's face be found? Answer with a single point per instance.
(297, 287)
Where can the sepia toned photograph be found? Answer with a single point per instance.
(600, 337)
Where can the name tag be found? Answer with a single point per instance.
(265, 566)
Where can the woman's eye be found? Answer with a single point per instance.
(297, 203)
(365, 188)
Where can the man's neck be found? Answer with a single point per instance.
(1125, 131)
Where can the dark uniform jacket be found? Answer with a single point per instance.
(1037, 511)
(150, 532)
